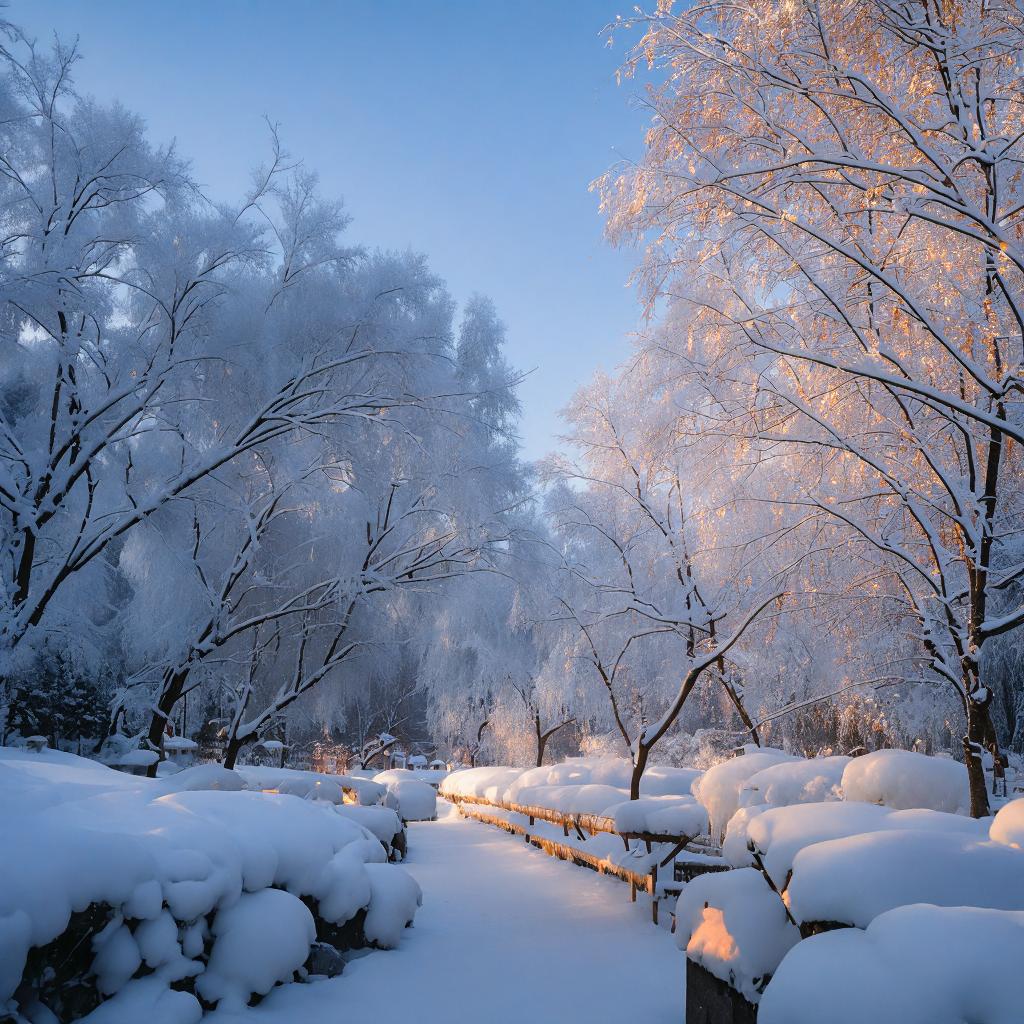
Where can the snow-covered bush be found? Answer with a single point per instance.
(795, 782)
(732, 924)
(718, 789)
(416, 800)
(778, 834)
(853, 880)
(220, 889)
(913, 965)
(903, 779)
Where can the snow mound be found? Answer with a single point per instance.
(589, 798)
(854, 880)
(718, 789)
(482, 783)
(778, 834)
(1008, 825)
(312, 785)
(736, 927)
(660, 815)
(159, 863)
(417, 801)
(903, 779)
(795, 782)
(913, 965)
(248, 957)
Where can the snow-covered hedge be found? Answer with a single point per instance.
(219, 891)
(915, 965)
(417, 801)
(903, 779)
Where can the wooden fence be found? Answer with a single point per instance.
(479, 808)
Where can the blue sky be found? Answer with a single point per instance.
(465, 129)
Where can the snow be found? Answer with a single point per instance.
(854, 879)
(416, 800)
(247, 956)
(165, 859)
(483, 783)
(902, 779)
(912, 965)
(795, 782)
(778, 834)
(660, 815)
(503, 928)
(312, 785)
(736, 927)
(718, 789)
(582, 799)
(1008, 825)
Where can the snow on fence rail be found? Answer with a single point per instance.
(669, 820)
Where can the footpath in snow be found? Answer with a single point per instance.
(506, 934)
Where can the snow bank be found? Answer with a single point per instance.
(795, 782)
(904, 779)
(417, 801)
(1008, 825)
(913, 965)
(854, 880)
(778, 834)
(718, 788)
(736, 927)
(159, 861)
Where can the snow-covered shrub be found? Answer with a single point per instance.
(248, 957)
(718, 789)
(795, 782)
(312, 785)
(912, 965)
(778, 834)
(133, 870)
(903, 779)
(732, 924)
(853, 880)
(416, 800)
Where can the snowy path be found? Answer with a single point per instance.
(505, 934)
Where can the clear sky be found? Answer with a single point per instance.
(466, 129)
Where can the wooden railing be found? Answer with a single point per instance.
(479, 808)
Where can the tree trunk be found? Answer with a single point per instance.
(979, 734)
(542, 740)
(643, 752)
(170, 694)
(231, 753)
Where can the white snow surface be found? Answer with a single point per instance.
(1008, 825)
(79, 833)
(855, 879)
(732, 924)
(912, 965)
(903, 779)
(417, 801)
(718, 789)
